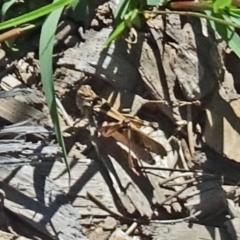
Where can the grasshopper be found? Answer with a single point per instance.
(89, 103)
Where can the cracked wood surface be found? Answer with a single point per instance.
(159, 65)
(185, 231)
(180, 67)
(39, 202)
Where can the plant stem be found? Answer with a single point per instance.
(14, 32)
(189, 6)
(236, 3)
(194, 14)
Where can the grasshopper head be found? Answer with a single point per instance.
(85, 97)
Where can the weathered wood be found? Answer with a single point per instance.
(9, 236)
(208, 197)
(222, 123)
(119, 187)
(185, 231)
(126, 187)
(39, 202)
(91, 59)
(123, 188)
(119, 234)
(15, 111)
(135, 193)
(23, 129)
(86, 175)
(21, 146)
(232, 227)
(211, 161)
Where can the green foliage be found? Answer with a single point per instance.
(224, 10)
(6, 5)
(28, 17)
(224, 18)
(124, 17)
(228, 33)
(126, 13)
(45, 52)
(156, 2)
(122, 26)
(220, 4)
(121, 10)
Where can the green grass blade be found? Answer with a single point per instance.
(232, 38)
(155, 2)
(115, 33)
(45, 53)
(118, 30)
(227, 33)
(220, 4)
(121, 9)
(26, 18)
(6, 5)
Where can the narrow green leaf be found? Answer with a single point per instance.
(115, 33)
(121, 10)
(155, 2)
(227, 33)
(234, 11)
(6, 5)
(45, 53)
(81, 11)
(75, 3)
(232, 38)
(231, 12)
(26, 18)
(127, 22)
(235, 19)
(133, 15)
(220, 4)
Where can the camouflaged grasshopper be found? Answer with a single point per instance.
(123, 128)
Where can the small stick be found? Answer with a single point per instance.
(179, 170)
(131, 228)
(15, 32)
(192, 216)
(186, 174)
(182, 183)
(64, 113)
(173, 195)
(181, 155)
(190, 130)
(117, 214)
